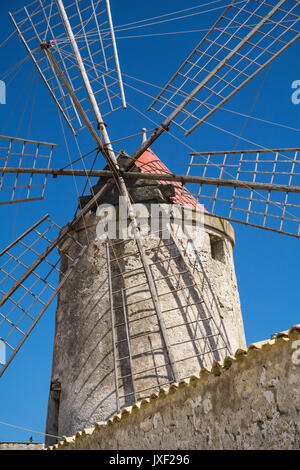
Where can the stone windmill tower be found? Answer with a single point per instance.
(145, 278)
(116, 340)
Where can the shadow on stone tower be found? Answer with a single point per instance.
(116, 339)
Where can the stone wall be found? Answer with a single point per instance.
(250, 401)
(21, 446)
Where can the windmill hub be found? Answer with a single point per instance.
(46, 45)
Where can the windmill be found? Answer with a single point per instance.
(73, 47)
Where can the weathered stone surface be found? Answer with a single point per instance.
(21, 446)
(254, 404)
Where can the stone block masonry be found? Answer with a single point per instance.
(249, 401)
(21, 446)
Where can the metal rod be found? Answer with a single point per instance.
(158, 177)
(87, 84)
(156, 304)
(23, 235)
(188, 266)
(190, 340)
(262, 67)
(155, 280)
(31, 269)
(128, 342)
(61, 57)
(260, 150)
(158, 310)
(41, 313)
(105, 149)
(177, 361)
(79, 60)
(282, 232)
(113, 332)
(181, 307)
(40, 71)
(191, 55)
(82, 113)
(116, 53)
(165, 125)
(36, 142)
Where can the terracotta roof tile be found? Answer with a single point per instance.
(150, 163)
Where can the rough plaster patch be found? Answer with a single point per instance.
(195, 402)
(146, 425)
(262, 379)
(293, 379)
(296, 353)
(207, 405)
(269, 395)
(157, 420)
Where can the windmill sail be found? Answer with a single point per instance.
(253, 187)
(31, 275)
(40, 24)
(245, 39)
(23, 153)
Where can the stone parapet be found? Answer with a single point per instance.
(249, 401)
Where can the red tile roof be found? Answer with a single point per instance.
(148, 162)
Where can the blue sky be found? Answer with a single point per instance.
(267, 264)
